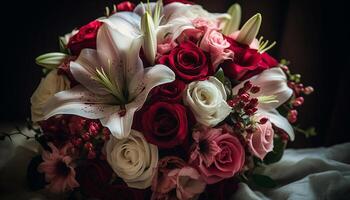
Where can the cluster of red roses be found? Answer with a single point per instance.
(199, 156)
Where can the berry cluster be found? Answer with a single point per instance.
(243, 108)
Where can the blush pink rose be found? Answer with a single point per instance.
(189, 183)
(261, 141)
(166, 46)
(217, 154)
(204, 24)
(161, 182)
(215, 43)
(194, 35)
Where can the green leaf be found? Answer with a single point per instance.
(276, 154)
(220, 76)
(263, 181)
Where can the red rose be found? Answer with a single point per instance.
(169, 92)
(165, 124)
(85, 38)
(247, 62)
(125, 6)
(188, 62)
(165, 2)
(94, 178)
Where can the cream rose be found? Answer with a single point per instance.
(48, 86)
(133, 159)
(207, 100)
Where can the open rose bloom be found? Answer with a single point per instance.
(163, 100)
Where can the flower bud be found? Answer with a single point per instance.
(150, 38)
(250, 30)
(233, 23)
(51, 60)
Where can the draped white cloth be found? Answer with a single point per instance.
(303, 174)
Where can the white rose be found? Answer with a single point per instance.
(207, 100)
(133, 159)
(48, 87)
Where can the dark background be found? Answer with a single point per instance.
(313, 35)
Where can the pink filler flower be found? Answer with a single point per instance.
(58, 169)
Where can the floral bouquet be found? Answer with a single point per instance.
(162, 100)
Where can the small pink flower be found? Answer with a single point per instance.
(189, 183)
(175, 180)
(166, 46)
(194, 35)
(58, 169)
(217, 154)
(214, 42)
(161, 182)
(203, 24)
(261, 141)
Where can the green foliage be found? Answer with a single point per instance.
(263, 181)
(276, 154)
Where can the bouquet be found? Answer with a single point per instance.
(162, 100)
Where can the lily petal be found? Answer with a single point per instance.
(79, 101)
(271, 82)
(119, 124)
(84, 68)
(154, 76)
(278, 120)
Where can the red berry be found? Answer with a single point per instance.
(245, 97)
(255, 89)
(263, 120)
(247, 85)
(308, 90)
(86, 136)
(292, 116)
(89, 146)
(298, 101)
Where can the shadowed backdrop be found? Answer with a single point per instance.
(313, 35)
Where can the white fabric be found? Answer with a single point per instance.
(304, 174)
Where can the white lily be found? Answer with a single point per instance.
(114, 83)
(274, 91)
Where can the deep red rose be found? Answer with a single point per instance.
(125, 6)
(247, 62)
(169, 92)
(165, 2)
(188, 62)
(85, 38)
(165, 124)
(94, 178)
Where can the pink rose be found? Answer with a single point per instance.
(215, 43)
(175, 180)
(161, 182)
(203, 24)
(194, 35)
(166, 46)
(261, 141)
(217, 154)
(189, 183)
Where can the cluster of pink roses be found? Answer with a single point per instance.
(190, 137)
